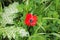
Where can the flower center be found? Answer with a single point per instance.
(31, 20)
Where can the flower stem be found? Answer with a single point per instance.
(31, 30)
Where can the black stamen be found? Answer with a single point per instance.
(31, 20)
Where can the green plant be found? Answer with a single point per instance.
(13, 14)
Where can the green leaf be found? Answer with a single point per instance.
(20, 7)
(0, 7)
(37, 37)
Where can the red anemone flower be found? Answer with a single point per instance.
(30, 20)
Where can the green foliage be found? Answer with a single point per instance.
(12, 19)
